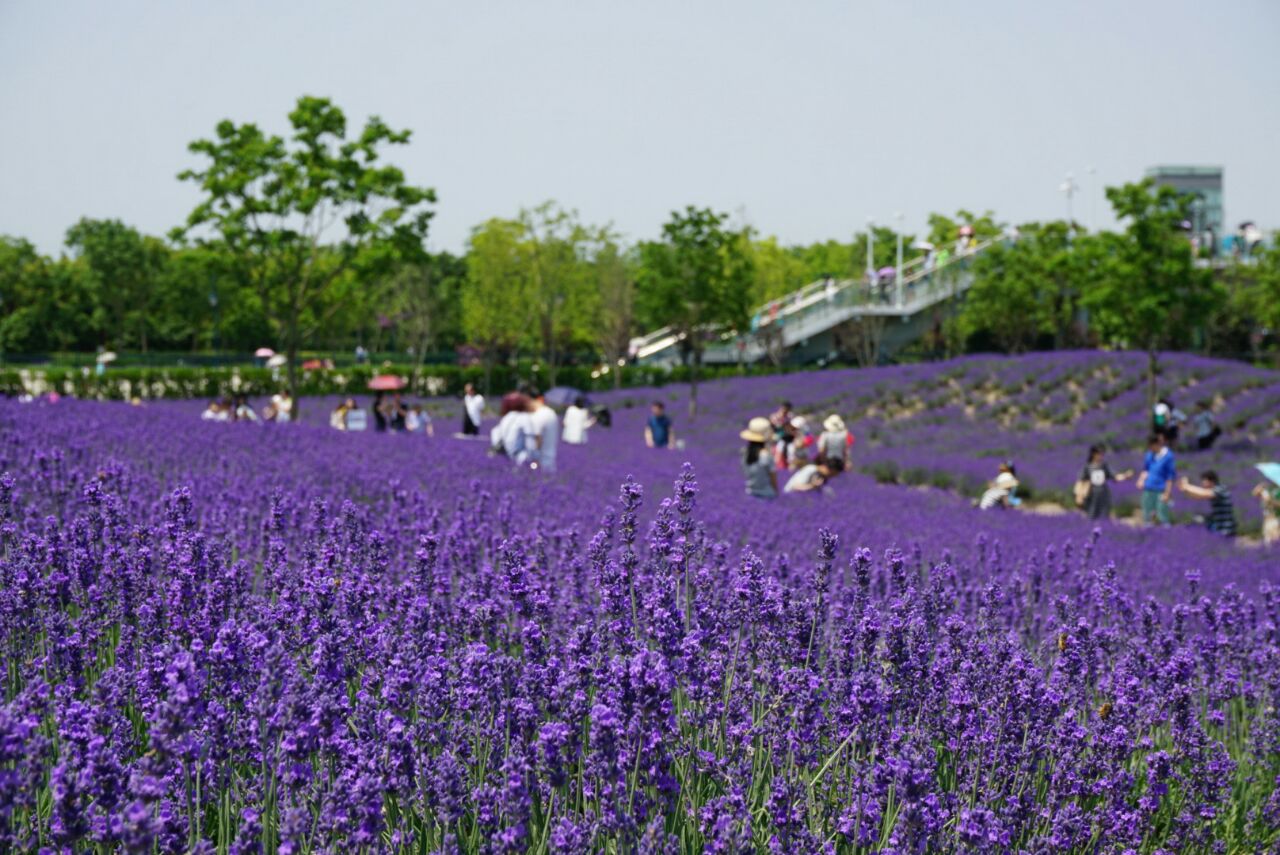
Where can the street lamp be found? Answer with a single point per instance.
(1069, 187)
(901, 285)
(871, 261)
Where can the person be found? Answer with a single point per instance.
(1159, 471)
(511, 435)
(1165, 418)
(362, 355)
(811, 476)
(472, 410)
(757, 462)
(379, 412)
(1000, 492)
(577, 419)
(214, 412)
(1093, 492)
(396, 413)
(1207, 430)
(357, 420)
(244, 412)
(282, 402)
(1269, 496)
(834, 444)
(657, 431)
(546, 432)
(338, 417)
(783, 432)
(418, 420)
(1222, 514)
(802, 448)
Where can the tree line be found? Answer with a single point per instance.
(315, 241)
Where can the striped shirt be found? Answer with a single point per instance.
(1222, 516)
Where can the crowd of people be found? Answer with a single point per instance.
(810, 455)
(236, 408)
(789, 442)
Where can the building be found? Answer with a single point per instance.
(1203, 182)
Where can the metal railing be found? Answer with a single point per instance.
(820, 305)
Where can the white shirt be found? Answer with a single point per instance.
(512, 434)
(575, 425)
(474, 405)
(801, 478)
(546, 427)
(357, 420)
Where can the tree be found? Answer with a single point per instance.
(777, 271)
(1152, 295)
(495, 300)
(944, 230)
(697, 279)
(561, 288)
(423, 297)
(616, 281)
(296, 216)
(125, 267)
(1030, 289)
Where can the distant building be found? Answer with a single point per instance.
(1203, 182)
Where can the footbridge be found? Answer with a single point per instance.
(807, 324)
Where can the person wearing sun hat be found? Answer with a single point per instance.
(999, 494)
(834, 443)
(1269, 495)
(757, 462)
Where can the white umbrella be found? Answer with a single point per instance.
(278, 360)
(923, 244)
(107, 356)
(264, 353)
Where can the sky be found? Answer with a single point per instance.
(801, 119)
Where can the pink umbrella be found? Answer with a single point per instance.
(386, 383)
(264, 353)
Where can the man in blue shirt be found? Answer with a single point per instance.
(1156, 480)
(657, 431)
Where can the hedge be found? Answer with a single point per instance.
(211, 382)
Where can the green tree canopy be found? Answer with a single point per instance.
(1152, 295)
(696, 279)
(295, 215)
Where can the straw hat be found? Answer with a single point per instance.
(833, 424)
(758, 430)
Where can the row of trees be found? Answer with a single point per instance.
(315, 241)
(1056, 286)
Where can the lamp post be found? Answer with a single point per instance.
(1069, 187)
(871, 259)
(901, 285)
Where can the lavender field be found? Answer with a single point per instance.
(241, 638)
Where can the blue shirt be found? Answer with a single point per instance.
(1160, 470)
(660, 428)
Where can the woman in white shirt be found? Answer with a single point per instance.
(577, 419)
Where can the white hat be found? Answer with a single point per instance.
(799, 423)
(833, 424)
(1162, 409)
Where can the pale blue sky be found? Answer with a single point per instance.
(805, 118)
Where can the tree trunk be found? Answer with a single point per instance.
(617, 375)
(1153, 368)
(488, 373)
(291, 373)
(694, 363)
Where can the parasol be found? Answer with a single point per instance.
(386, 383)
